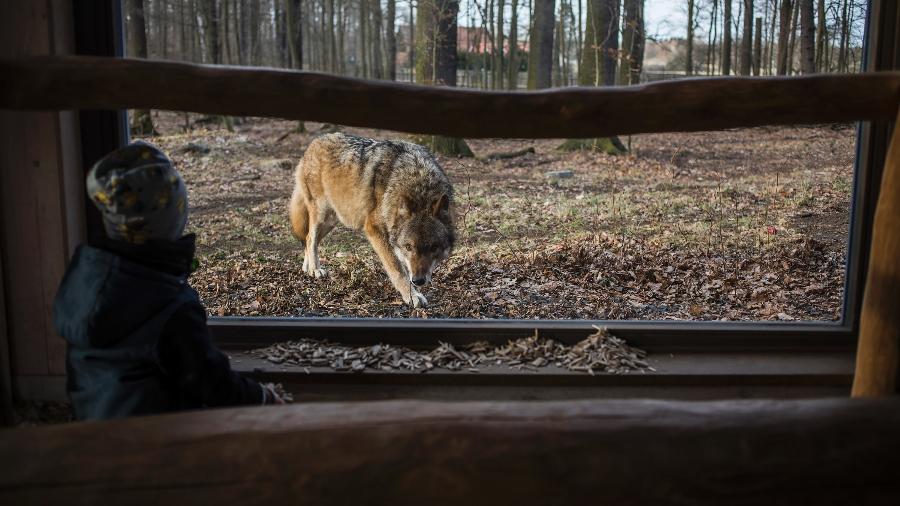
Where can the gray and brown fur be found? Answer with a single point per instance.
(393, 191)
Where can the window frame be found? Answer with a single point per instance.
(99, 30)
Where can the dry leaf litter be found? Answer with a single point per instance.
(600, 352)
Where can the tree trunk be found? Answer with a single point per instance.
(295, 32)
(639, 43)
(747, 39)
(437, 61)
(391, 35)
(771, 41)
(375, 36)
(412, 42)
(498, 40)
(689, 41)
(598, 66)
(842, 51)
(632, 43)
(711, 38)
(540, 56)
(757, 47)
(601, 44)
(726, 39)
(807, 37)
(784, 31)
(254, 33)
(557, 45)
(821, 38)
(210, 15)
(141, 121)
(791, 45)
(512, 79)
(182, 35)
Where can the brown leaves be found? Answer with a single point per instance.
(599, 352)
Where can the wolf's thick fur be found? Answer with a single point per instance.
(393, 191)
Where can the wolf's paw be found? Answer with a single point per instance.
(416, 299)
(316, 273)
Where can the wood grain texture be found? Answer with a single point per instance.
(878, 355)
(35, 163)
(576, 452)
(684, 105)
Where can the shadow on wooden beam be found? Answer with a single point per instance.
(837, 451)
(81, 82)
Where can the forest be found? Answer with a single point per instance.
(743, 224)
(491, 43)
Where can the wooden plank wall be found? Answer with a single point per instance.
(40, 183)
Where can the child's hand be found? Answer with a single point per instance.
(275, 394)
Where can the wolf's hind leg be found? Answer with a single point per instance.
(378, 238)
(299, 216)
(321, 222)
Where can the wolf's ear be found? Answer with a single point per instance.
(440, 204)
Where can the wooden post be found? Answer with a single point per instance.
(878, 356)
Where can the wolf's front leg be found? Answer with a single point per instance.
(399, 278)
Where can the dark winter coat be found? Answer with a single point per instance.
(137, 335)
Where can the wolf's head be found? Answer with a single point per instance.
(422, 236)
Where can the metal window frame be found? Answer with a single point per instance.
(99, 31)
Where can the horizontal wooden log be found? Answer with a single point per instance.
(81, 82)
(837, 451)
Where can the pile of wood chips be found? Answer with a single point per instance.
(599, 352)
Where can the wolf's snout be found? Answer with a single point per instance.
(419, 281)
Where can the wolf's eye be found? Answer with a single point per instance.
(434, 248)
(408, 247)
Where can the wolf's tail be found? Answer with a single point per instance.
(297, 208)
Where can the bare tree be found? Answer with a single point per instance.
(821, 38)
(784, 31)
(391, 71)
(712, 37)
(747, 39)
(599, 58)
(807, 37)
(795, 16)
(512, 79)
(295, 32)
(689, 41)
(540, 56)
(378, 65)
(632, 43)
(770, 44)
(601, 44)
(757, 46)
(844, 27)
(726, 38)
(141, 121)
(498, 55)
(436, 62)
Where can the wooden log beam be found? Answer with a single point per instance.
(837, 451)
(878, 354)
(81, 82)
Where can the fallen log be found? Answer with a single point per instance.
(836, 451)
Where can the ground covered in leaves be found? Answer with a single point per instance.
(744, 224)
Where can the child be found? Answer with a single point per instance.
(137, 335)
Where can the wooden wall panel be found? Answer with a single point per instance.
(41, 208)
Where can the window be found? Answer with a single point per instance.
(832, 324)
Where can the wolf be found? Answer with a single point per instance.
(393, 191)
